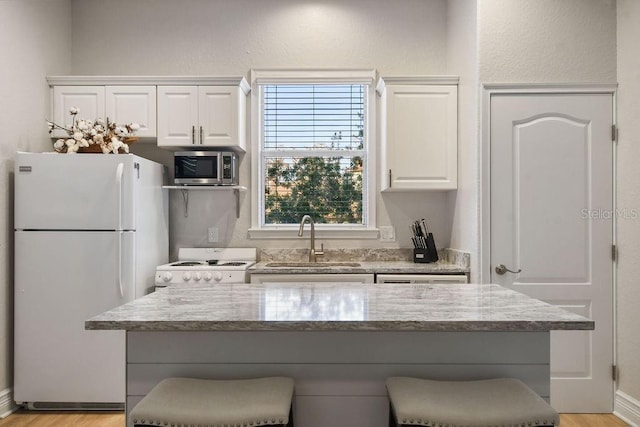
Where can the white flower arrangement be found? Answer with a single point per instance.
(110, 137)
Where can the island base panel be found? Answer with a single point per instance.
(339, 375)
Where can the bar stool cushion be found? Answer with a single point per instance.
(504, 402)
(202, 402)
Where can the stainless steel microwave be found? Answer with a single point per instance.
(205, 168)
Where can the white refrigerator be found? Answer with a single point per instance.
(90, 230)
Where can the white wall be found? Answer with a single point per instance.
(547, 41)
(629, 199)
(462, 60)
(222, 37)
(219, 37)
(36, 41)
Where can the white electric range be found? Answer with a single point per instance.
(207, 265)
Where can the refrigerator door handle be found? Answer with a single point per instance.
(120, 264)
(119, 173)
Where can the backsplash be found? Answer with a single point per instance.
(454, 256)
(446, 255)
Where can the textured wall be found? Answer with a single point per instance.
(462, 60)
(219, 37)
(547, 40)
(36, 41)
(629, 197)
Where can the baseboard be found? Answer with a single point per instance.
(7, 405)
(627, 408)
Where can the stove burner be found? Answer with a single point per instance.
(233, 264)
(186, 263)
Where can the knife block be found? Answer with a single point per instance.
(424, 255)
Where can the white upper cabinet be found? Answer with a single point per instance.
(133, 104)
(419, 132)
(222, 115)
(88, 99)
(177, 116)
(202, 116)
(119, 104)
(181, 111)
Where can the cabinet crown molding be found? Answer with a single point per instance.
(150, 80)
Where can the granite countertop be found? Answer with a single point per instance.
(337, 307)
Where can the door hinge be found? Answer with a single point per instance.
(614, 133)
(614, 252)
(614, 373)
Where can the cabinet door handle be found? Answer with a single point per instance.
(201, 137)
(193, 134)
(389, 178)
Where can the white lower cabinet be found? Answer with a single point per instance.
(336, 278)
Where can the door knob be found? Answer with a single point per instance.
(501, 269)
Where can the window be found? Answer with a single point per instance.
(314, 153)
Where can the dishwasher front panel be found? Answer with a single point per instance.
(422, 278)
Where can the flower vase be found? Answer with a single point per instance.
(96, 149)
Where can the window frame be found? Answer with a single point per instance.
(258, 229)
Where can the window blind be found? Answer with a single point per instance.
(313, 117)
(313, 152)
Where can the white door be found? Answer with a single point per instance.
(177, 116)
(61, 280)
(69, 192)
(551, 205)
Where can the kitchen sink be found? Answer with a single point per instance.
(312, 264)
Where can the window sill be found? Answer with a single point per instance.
(326, 233)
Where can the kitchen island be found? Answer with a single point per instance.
(339, 341)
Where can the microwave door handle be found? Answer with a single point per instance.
(220, 169)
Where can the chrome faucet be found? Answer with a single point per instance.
(313, 253)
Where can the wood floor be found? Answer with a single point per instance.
(590, 420)
(116, 419)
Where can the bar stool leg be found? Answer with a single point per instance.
(290, 423)
(392, 418)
